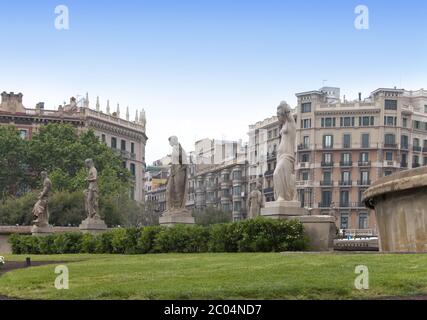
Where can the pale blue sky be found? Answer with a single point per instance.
(207, 68)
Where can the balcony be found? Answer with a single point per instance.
(268, 173)
(327, 164)
(416, 148)
(324, 205)
(363, 182)
(326, 183)
(424, 149)
(346, 163)
(390, 145)
(347, 204)
(304, 183)
(345, 183)
(303, 147)
(268, 190)
(415, 165)
(327, 147)
(403, 164)
(364, 163)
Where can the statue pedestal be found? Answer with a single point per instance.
(41, 231)
(171, 218)
(93, 226)
(283, 209)
(320, 229)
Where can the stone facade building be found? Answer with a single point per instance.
(127, 138)
(343, 147)
(218, 177)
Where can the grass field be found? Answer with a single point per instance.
(219, 276)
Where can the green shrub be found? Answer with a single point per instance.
(256, 235)
(89, 243)
(104, 243)
(146, 242)
(182, 238)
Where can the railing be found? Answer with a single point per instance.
(327, 164)
(326, 183)
(303, 147)
(390, 145)
(363, 182)
(415, 165)
(268, 173)
(359, 233)
(351, 205)
(345, 183)
(268, 190)
(417, 148)
(324, 205)
(404, 164)
(364, 163)
(346, 163)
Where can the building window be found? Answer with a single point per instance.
(305, 157)
(346, 176)
(237, 206)
(389, 139)
(237, 191)
(305, 175)
(404, 142)
(347, 122)
(425, 108)
(346, 158)
(306, 107)
(387, 173)
(306, 123)
(364, 177)
(389, 156)
(113, 142)
(416, 142)
(365, 140)
(425, 161)
(344, 199)
(344, 221)
(327, 122)
(405, 122)
(306, 142)
(366, 121)
(416, 161)
(327, 176)
(326, 198)
(23, 134)
(390, 121)
(123, 145)
(417, 124)
(328, 141)
(132, 169)
(390, 104)
(103, 138)
(363, 220)
(327, 158)
(364, 157)
(347, 141)
(132, 147)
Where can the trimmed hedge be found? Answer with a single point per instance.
(256, 235)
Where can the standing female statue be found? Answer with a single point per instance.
(284, 174)
(176, 190)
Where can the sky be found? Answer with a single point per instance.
(207, 68)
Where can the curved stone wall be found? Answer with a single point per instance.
(400, 203)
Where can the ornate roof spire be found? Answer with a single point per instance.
(97, 104)
(86, 103)
(118, 111)
(108, 106)
(136, 116)
(127, 113)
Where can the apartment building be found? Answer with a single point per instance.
(127, 138)
(344, 146)
(218, 177)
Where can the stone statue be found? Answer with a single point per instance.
(256, 201)
(284, 174)
(91, 193)
(40, 210)
(176, 190)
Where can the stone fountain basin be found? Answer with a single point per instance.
(400, 204)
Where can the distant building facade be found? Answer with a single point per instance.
(127, 138)
(343, 147)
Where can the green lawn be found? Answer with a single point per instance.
(220, 276)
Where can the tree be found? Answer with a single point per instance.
(12, 162)
(58, 149)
